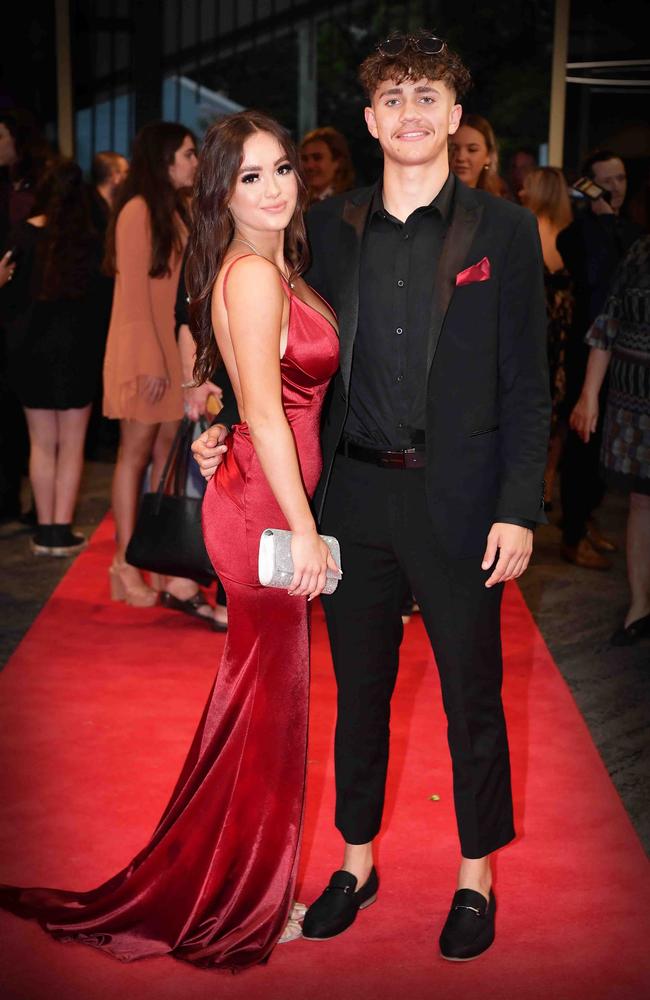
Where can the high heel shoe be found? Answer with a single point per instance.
(127, 585)
(627, 635)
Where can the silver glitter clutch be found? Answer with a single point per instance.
(275, 565)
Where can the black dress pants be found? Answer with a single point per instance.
(381, 519)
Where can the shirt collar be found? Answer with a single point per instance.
(443, 201)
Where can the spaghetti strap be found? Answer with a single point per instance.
(243, 256)
(324, 301)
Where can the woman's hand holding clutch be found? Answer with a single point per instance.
(311, 559)
(202, 399)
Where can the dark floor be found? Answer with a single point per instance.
(576, 611)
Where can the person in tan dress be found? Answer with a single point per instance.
(142, 367)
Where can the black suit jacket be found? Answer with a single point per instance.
(488, 406)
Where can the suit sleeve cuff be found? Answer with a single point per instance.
(521, 521)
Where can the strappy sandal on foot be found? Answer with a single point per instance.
(291, 932)
(189, 607)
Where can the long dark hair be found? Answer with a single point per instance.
(213, 229)
(154, 148)
(70, 250)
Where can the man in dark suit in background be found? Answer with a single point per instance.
(434, 444)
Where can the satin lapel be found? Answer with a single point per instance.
(353, 222)
(465, 221)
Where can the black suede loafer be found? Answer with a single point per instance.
(469, 928)
(336, 909)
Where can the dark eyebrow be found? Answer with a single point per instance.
(424, 88)
(248, 170)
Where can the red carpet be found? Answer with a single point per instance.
(98, 706)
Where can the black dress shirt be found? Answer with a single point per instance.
(398, 265)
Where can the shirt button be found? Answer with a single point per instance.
(400, 425)
(400, 284)
(400, 378)
(399, 330)
(406, 236)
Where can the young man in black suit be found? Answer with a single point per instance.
(434, 445)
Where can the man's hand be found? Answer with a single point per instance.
(584, 416)
(600, 206)
(515, 545)
(209, 449)
(196, 398)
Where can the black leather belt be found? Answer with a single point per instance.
(408, 458)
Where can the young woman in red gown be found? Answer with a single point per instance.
(215, 884)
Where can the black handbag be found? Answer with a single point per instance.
(168, 537)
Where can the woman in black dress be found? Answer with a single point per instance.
(55, 347)
(620, 343)
(546, 194)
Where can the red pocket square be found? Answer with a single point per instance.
(477, 272)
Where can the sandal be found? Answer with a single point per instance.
(291, 932)
(189, 607)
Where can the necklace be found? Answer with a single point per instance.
(240, 239)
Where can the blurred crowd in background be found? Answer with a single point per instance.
(97, 355)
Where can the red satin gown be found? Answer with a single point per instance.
(215, 884)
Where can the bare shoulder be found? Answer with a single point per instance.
(249, 266)
(249, 277)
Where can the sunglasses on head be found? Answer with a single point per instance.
(424, 42)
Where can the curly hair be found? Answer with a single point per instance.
(411, 64)
(212, 230)
(70, 250)
(154, 148)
